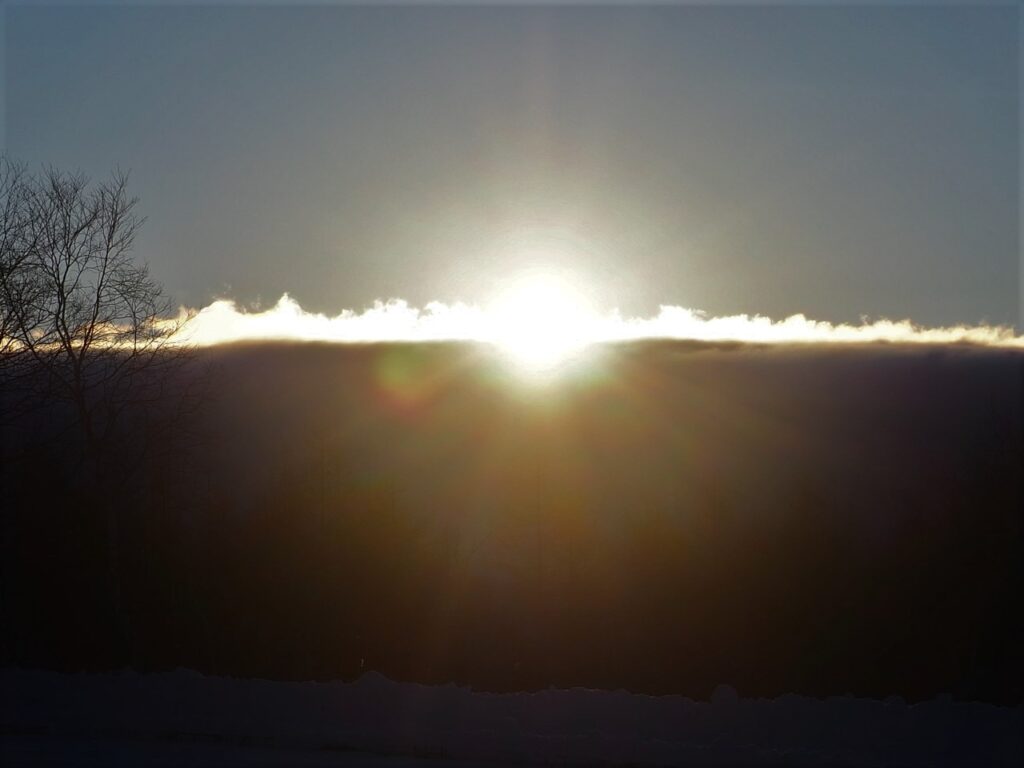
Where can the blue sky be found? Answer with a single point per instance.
(835, 161)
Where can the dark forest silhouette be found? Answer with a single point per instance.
(813, 519)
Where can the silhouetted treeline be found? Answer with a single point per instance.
(809, 519)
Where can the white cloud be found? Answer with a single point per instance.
(396, 320)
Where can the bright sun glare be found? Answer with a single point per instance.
(540, 321)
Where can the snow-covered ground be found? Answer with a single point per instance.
(184, 718)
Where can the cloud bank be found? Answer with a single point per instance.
(224, 321)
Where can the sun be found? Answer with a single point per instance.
(541, 322)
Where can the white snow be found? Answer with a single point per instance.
(184, 718)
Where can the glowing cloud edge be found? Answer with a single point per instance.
(223, 322)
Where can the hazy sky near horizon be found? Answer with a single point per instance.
(839, 161)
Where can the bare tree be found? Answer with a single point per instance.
(95, 325)
(86, 331)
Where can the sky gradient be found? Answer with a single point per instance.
(836, 162)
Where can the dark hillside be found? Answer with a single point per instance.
(813, 519)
